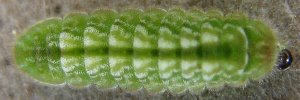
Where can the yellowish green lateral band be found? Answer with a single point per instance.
(153, 49)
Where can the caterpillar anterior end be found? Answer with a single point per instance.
(285, 59)
(156, 49)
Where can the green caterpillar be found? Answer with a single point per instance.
(155, 49)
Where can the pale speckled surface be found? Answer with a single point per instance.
(17, 15)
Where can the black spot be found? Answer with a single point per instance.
(57, 9)
(285, 59)
(7, 62)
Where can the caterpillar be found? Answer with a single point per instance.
(155, 49)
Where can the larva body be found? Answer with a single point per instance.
(156, 49)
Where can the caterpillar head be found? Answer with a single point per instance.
(285, 59)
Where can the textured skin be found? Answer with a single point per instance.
(155, 49)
